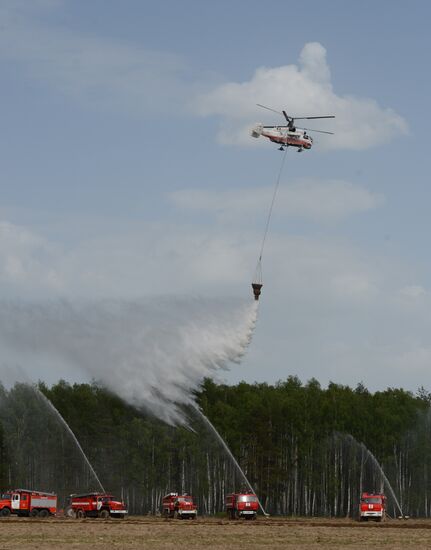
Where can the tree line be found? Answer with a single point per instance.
(306, 450)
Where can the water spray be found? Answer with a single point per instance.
(378, 466)
(382, 473)
(153, 353)
(50, 405)
(229, 452)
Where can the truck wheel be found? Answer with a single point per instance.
(5, 512)
(34, 513)
(104, 514)
(43, 513)
(80, 514)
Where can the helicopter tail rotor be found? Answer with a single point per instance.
(256, 131)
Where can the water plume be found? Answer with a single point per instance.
(153, 353)
(375, 463)
(69, 430)
(40, 449)
(225, 447)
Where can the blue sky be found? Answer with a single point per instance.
(127, 170)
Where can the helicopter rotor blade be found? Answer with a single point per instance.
(291, 120)
(269, 109)
(320, 131)
(288, 118)
(312, 117)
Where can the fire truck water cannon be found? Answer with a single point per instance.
(28, 503)
(242, 505)
(96, 505)
(179, 506)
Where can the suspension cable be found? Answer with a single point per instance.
(258, 272)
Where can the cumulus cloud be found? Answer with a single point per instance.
(116, 75)
(310, 199)
(302, 89)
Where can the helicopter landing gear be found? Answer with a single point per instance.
(281, 148)
(300, 150)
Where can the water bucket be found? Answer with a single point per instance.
(256, 290)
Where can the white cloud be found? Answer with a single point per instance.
(356, 286)
(145, 260)
(310, 199)
(303, 89)
(100, 72)
(26, 260)
(412, 292)
(115, 75)
(162, 258)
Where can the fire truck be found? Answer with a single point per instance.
(372, 506)
(96, 505)
(179, 506)
(242, 505)
(25, 502)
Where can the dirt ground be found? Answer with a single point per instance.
(142, 533)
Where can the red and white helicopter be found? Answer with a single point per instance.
(288, 135)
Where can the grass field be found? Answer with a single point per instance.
(138, 533)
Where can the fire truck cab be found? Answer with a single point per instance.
(25, 502)
(97, 505)
(242, 505)
(179, 506)
(372, 506)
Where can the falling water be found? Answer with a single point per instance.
(228, 451)
(153, 353)
(378, 466)
(70, 432)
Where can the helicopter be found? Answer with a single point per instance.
(288, 135)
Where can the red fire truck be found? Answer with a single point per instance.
(25, 502)
(179, 506)
(243, 505)
(97, 505)
(372, 506)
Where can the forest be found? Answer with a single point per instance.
(307, 450)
